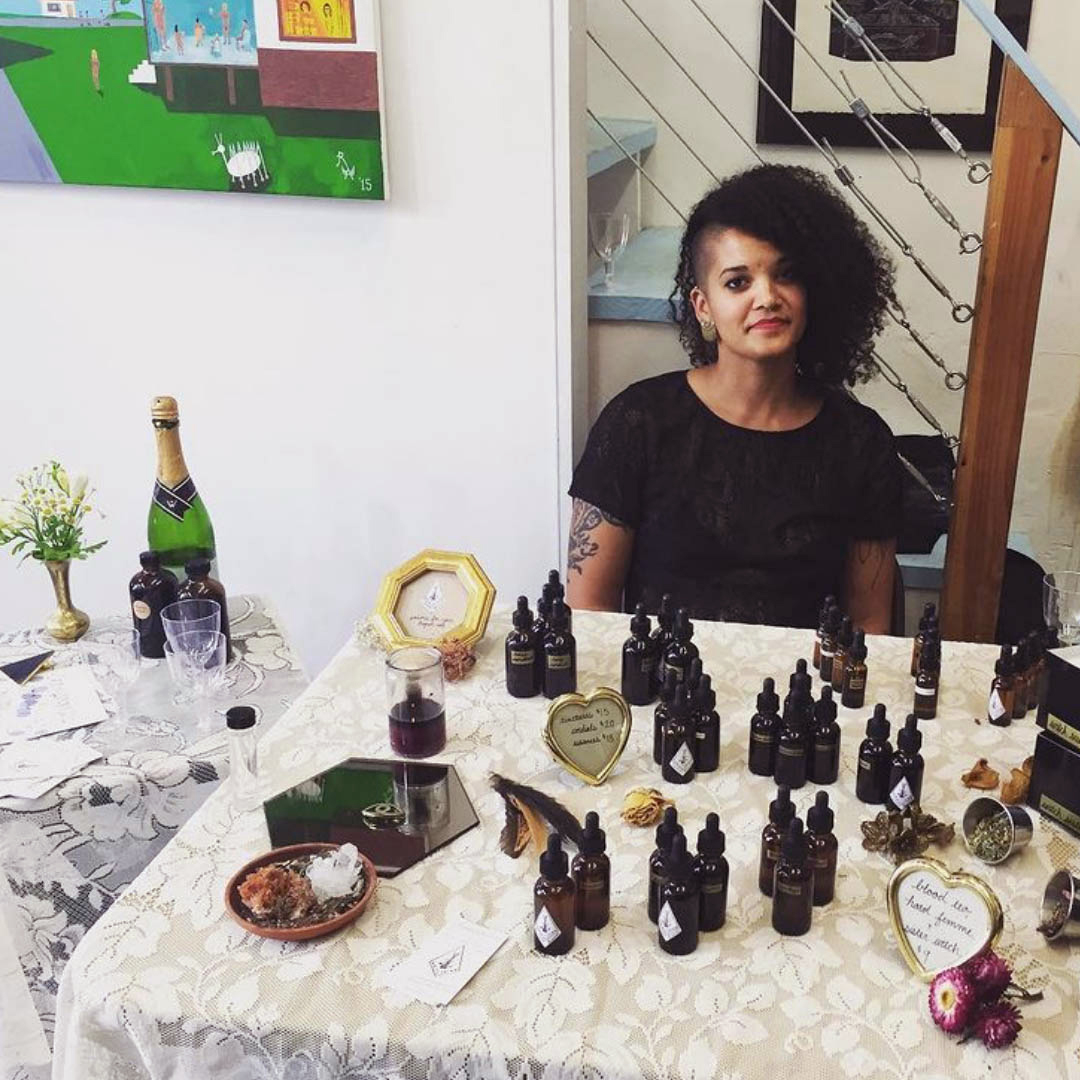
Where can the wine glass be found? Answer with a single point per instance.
(185, 615)
(608, 233)
(115, 657)
(1061, 605)
(196, 660)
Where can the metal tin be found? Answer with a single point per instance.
(1020, 824)
(1060, 913)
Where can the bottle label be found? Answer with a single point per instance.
(592, 884)
(792, 751)
(790, 890)
(525, 657)
(925, 691)
(140, 609)
(827, 654)
(679, 673)
(547, 929)
(768, 740)
(824, 747)
(667, 924)
(713, 887)
(176, 502)
(648, 664)
(864, 763)
(902, 796)
(820, 863)
(996, 707)
(682, 761)
(857, 680)
(558, 661)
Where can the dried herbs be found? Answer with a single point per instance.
(904, 834)
(991, 839)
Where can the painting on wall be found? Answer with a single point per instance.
(279, 97)
(935, 44)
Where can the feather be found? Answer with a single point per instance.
(514, 836)
(536, 830)
(544, 806)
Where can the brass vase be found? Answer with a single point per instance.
(66, 623)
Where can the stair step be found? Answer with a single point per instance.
(636, 135)
(644, 276)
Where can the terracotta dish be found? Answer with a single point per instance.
(239, 912)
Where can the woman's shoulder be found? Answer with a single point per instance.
(855, 420)
(652, 397)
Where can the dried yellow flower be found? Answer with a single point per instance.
(644, 806)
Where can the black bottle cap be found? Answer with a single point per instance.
(877, 727)
(1004, 664)
(639, 624)
(198, 567)
(543, 607)
(781, 809)
(553, 862)
(909, 738)
(830, 602)
(825, 707)
(678, 865)
(559, 615)
(800, 669)
(150, 560)
(553, 587)
(683, 627)
(833, 619)
(667, 828)
(665, 615)
(858, 647)
(693, 676)
(793, 848)
(767, 700)
(820, 817)
(928, 613)
(706, 695)
(523, 617)
(240, 718)
(711, 839)
(593, 839)
(847, 631)
(682, 704)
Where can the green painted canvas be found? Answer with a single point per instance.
(279, 97)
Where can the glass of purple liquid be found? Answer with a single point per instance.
(416, 700)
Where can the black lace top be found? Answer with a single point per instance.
(741, 525)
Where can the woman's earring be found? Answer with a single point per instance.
(708, 331)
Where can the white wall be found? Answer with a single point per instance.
(356, 382)
(1047, 505)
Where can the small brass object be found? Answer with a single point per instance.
(587, 733)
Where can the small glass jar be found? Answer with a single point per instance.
(243, 756)
(416, 701)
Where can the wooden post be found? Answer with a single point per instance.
(1027, 144)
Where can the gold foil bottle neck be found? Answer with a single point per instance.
(164, 408)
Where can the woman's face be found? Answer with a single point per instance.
(747, 289)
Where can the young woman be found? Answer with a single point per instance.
(751, 486)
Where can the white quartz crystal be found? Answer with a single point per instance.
(337, 873)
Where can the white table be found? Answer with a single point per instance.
(165, 985)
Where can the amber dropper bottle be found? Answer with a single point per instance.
(711, 869)
(790, 770)
(920, 638)
(592, 876)
(666, 831)
(853, 695)
(682, 651)
(553, 589)
(521, 654)
(677, 751)
(823, 763)
(906, 773)
(764, 731)
(1022, 662)
(830, 602)
(553, 902)
(680, 902)
(707, 728)
(560, 654)
(875, 760)
(661, 714)
(845, 638)
(1002, 690)
(793, 896)
(822, 848)
(926, 682)
(828, 643)
(781, 811)
(693, 677)
(638, 661)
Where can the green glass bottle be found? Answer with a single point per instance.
(179, 527)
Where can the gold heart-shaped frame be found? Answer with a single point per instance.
(587, 733)
(941, 917)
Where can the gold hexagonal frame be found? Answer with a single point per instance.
(434, 596)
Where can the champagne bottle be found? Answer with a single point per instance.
(178, 527)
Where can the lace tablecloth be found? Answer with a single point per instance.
(68, 855)
(165, 985)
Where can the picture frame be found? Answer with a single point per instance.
(839, 126)
(433, 597)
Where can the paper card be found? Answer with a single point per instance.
(446, 962)
(31, 768)
(57, 700)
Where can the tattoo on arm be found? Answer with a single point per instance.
(866, 551)
(584, 518)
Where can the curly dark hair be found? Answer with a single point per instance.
(849, 280)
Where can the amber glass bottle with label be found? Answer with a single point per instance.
(554, 905)
(661, 714)
(906, 772)
(151, 589)
(999, 707)
(764, 731)
(592, 876)
(875, 760)
(706, 728)
(560, 654)
(711, 869)
(823, 762)
(666, 831)
(199, 585)
(677, 752)
(822, 848)
(682, 651)
(845, 638)
(521, 669)
(928, 614)
(830, 602)
(854, 693)
(781, 811)
(926, 682)
(680, 904)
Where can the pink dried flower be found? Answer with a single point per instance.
(997, 1024)
(952, 998)
(990, 975)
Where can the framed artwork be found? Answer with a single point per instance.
(434, 596)
(936, 44)
(277, 97)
